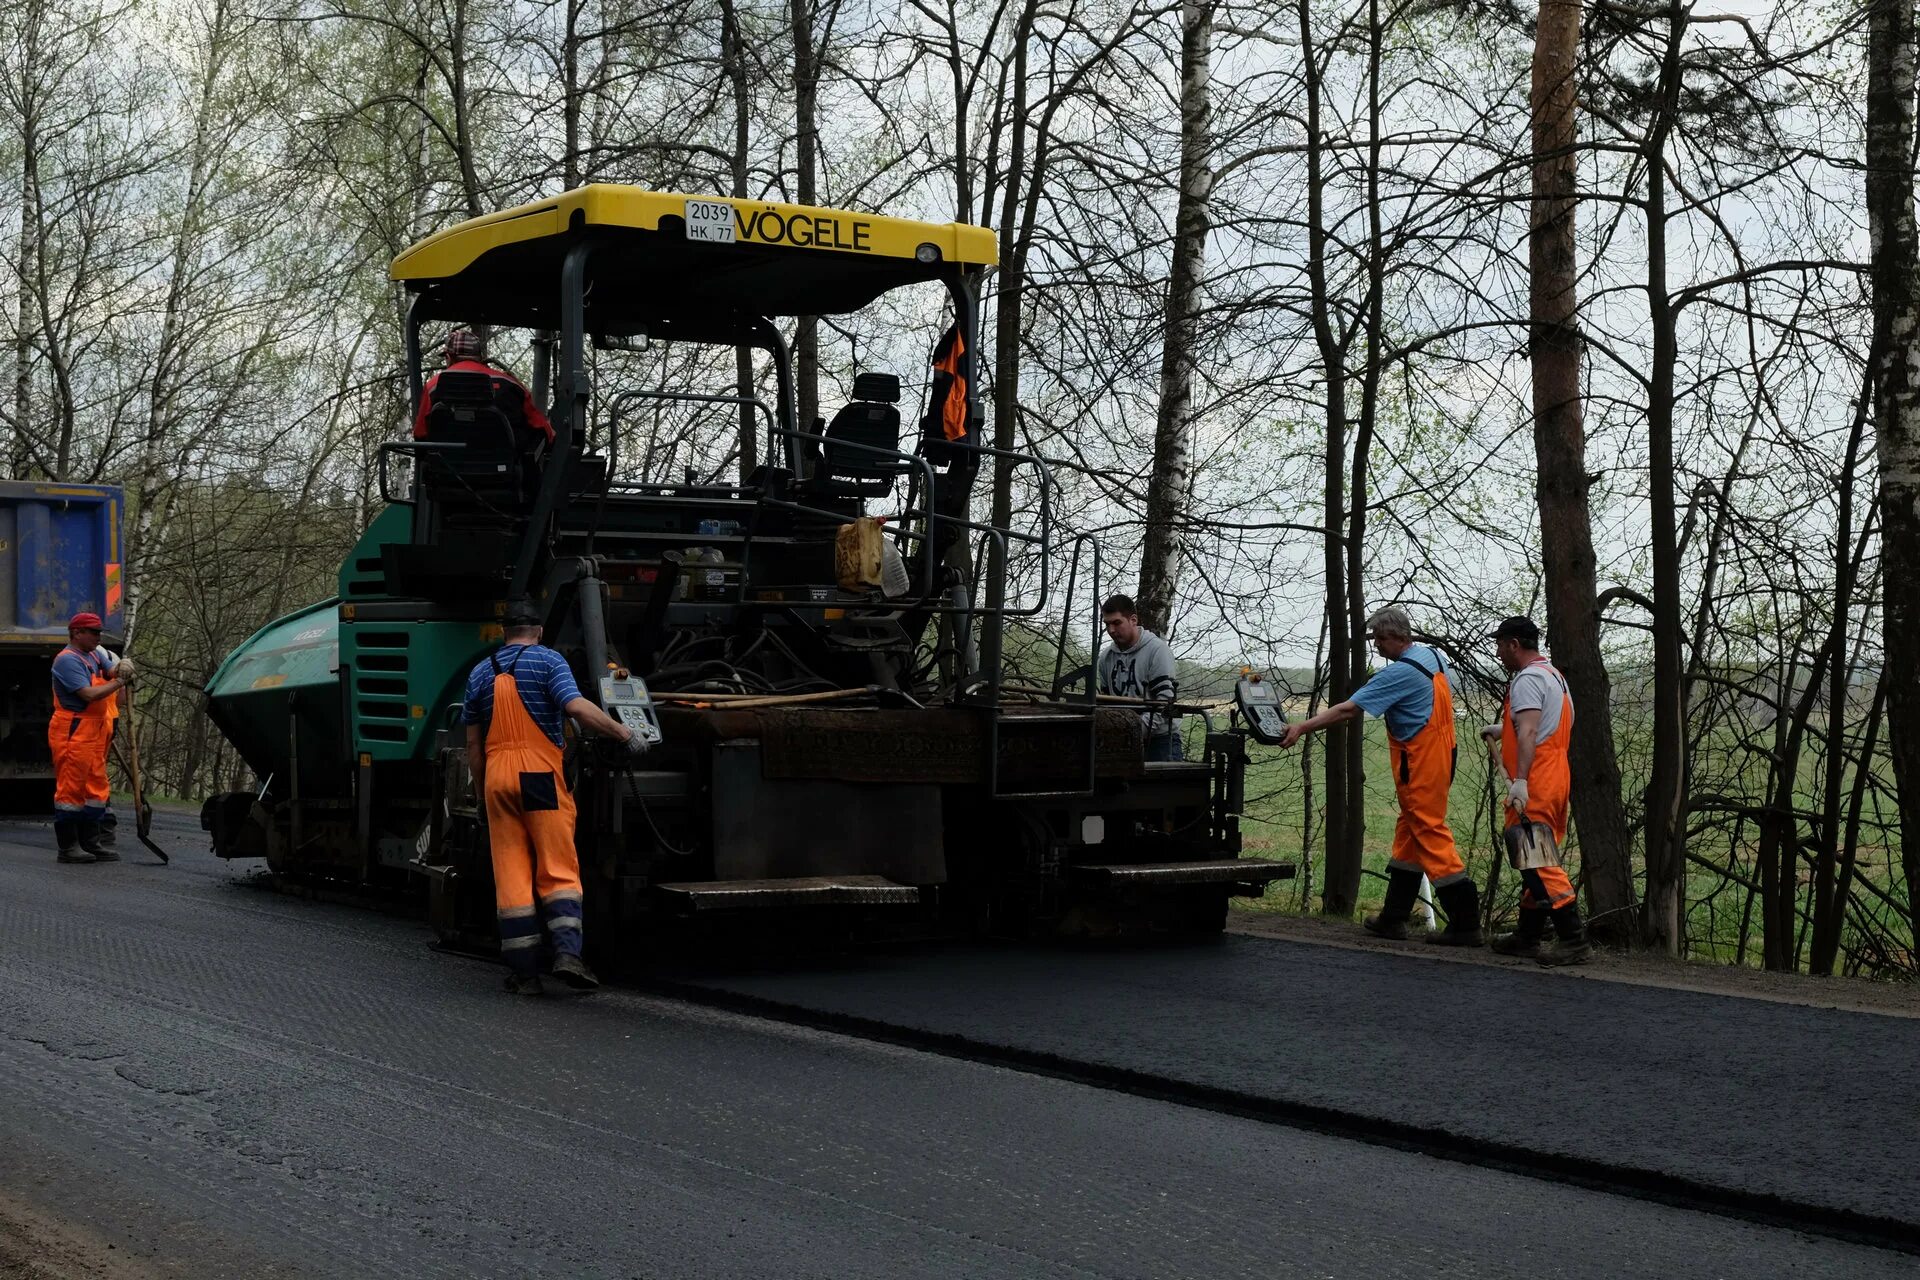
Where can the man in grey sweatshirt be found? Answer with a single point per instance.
(1138, 664)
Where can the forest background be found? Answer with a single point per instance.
(1270, 299)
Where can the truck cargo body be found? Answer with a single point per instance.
(60, 554)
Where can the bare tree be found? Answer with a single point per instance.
(1896, 397)
(1170, 480)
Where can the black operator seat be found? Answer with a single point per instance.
(488, 416)
(870, 419)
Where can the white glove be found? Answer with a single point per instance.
(1491, 732)
(1517, 795)
(635, 744)
(123, 669)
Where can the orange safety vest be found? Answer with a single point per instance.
(948, 403)
(77, 740)
(1550, 777)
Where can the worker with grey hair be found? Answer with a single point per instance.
(1139, 664)
(1413, 694)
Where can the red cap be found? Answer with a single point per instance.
(88, 621)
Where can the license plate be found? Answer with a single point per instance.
(710, 220)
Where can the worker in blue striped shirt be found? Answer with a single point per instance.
(518, 700)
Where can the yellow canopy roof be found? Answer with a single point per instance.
(692, 218)
(664, 260)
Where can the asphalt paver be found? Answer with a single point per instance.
(224, 1081)
(1756, 1099)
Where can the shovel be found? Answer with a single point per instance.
(142, 811)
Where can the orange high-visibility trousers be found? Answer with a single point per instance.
(530, 817)
(78, 740)
(1422, 778)
(1549, 788)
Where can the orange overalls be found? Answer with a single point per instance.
(530, 813)
(1549, 784)
(1422, 776)
(78, 742)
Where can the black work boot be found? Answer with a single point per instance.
(90, 840)
(524, 984)
(66, 836)
(573, 971)
(102, 847)
(1461, 901)
(1402, 887)
(1524, 941)
(1570, 939)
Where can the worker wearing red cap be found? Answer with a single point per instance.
(85, 691)
(467, 353)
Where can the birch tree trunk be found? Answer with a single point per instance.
(572, 96)
(463, 130)
(1170, 482)
(806, 144)
(20, 449)
(733, 54)
(1559, 443)
(1896, 399)
(157, 479)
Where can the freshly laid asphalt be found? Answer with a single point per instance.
(223, 1081)
(1752, 1099)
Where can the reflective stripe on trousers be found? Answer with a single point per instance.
(1545, 889)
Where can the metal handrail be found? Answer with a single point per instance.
(620, 403)
(1066, 616)
(405, 448)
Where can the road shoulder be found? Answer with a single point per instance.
(1851, 995)
(34, 1245)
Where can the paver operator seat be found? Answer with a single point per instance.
(870, 421)
(500, 451)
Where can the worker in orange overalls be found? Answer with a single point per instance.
(518, 699)
(86, 686)
(1413, 694)
(1536, 724)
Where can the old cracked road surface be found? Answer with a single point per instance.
(219, 1081)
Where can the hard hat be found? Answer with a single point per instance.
(465, 344)
(522, 613)
(85, 622)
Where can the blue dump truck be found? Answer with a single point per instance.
(60, 554)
